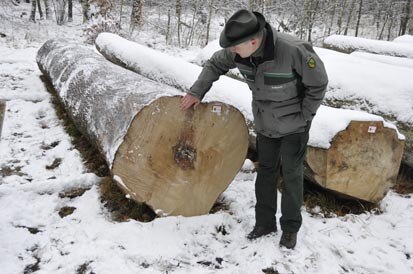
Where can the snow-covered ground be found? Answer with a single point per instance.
(34, 238)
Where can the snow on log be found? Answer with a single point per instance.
(390, 60)
(348, 44)
(2, 113)
(328, 122)
(377, 88)
(362, 158)
(407, 39)
(177, 162)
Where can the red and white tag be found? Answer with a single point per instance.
(372, 129)
(217, 109)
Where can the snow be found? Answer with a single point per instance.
(370, 45)
(390, 60)
(355, 77)
(33, 137)
(404, 39)
(168, 69)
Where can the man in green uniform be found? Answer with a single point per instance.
(288, 82)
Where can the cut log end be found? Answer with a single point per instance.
(178, 162)
(362, 162)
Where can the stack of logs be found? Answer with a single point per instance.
(179, 162)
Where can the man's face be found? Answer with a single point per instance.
(245, 49)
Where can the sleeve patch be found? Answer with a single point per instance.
(311, 63)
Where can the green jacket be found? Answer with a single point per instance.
(288, 82)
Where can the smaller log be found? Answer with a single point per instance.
(347, 44)
(362, 162)
(2, 113)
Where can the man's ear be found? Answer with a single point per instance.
(253, 41)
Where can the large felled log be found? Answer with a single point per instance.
(362, 162)
(177, 162)
(327, 123)
(2, 112)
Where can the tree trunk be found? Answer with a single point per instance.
(40, 9)
(211, 8)
(47, 9)
(340, 17)
(359, 17)
(120, 13)
(160, 69)
(85, 10)
(70, 11)
(33, 11)
(177, 162)
(136, 16)
(2, 114)
(60, 11)
(332, 17)
(168, 28)
(178, 10)
(349, 16)
(405, 17)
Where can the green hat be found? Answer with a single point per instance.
(243, 25)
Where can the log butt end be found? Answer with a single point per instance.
(362, 162)
(178, 162)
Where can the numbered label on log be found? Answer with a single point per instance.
(217, 109)
(372, 129)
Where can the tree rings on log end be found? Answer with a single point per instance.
(178, 162)
(362, 162)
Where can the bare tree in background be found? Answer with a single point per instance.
(353, 3)
(85, 10)
(405, 17)
(178, 12)
(60, 11)
(70, 11)
(211, 8)
(33, 11)
(35, 3)
(136, 16)
(387, 16)
(359, 17)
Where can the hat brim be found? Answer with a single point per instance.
(225, 43)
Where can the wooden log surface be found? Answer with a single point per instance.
(362, 162)
(2, 114)
(176, 162)
(115, 51)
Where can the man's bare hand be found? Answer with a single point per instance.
(189, 100)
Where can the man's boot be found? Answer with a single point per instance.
(260, 230)
(288, 239)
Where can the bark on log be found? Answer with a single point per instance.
(177, 162)
(362, 162)
(2, 113)
(377, 187)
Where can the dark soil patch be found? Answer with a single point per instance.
(404, 183)
(31, 268)
(66, 211)
(56, 163)
(122, 208)
(73, 193)
(333, 204)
